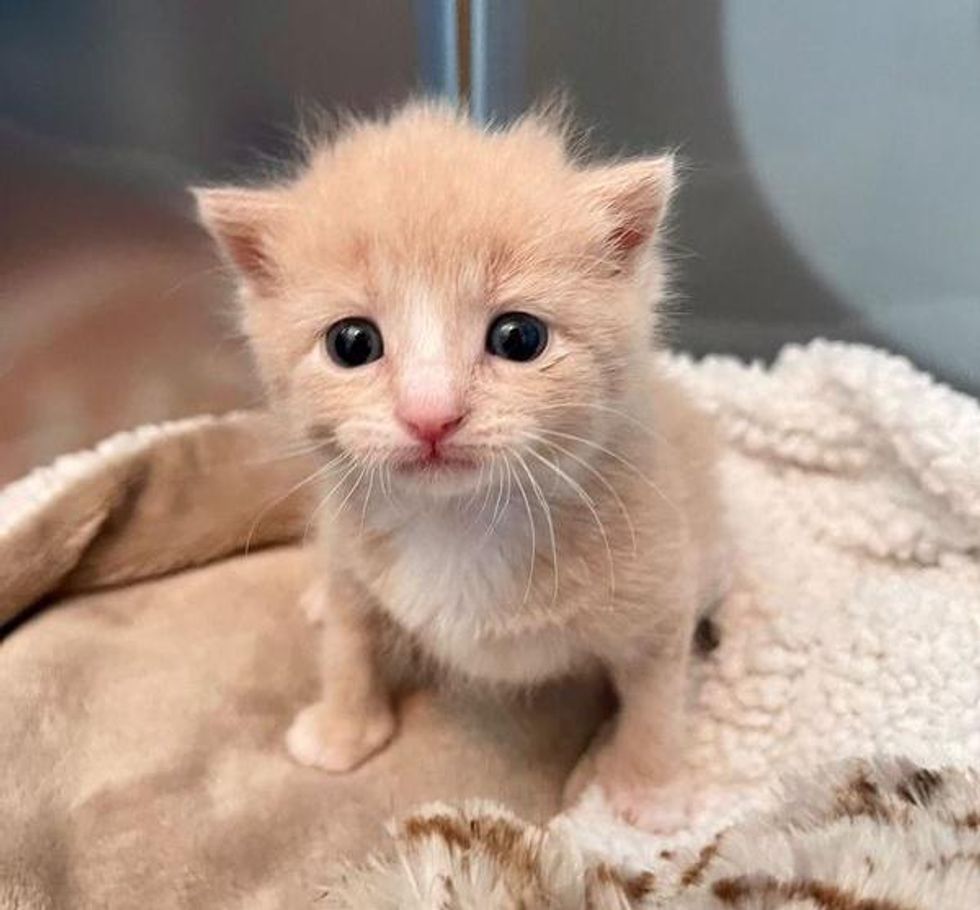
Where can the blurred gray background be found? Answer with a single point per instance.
(832, 184)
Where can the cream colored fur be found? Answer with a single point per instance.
(585, 535)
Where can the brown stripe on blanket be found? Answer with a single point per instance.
(694, 873)
(827, 896)
(970, 821)
(920, 787)
(861, 796)
(961, 856)
(634, 887)
(502, 840)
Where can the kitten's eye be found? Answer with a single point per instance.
(354, 342)
(517, 336)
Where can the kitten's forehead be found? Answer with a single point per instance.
(432, 188)
(433, 147)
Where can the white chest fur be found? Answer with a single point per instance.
(461, 591)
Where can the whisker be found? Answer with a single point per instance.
(530, 524)
(546, 508)
(367, 498)
(391, 495)
(625, 462)
(590, 505)
(487, 491)
(555, 362)
(601, 478)
(350, 493)
(326, 499)
(468, 502)
(315, 475)
(500, 505)
(386, 481)
(284, 454)
(625, 415)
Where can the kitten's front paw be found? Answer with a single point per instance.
(322, 738)
(664, 809)
(634, 796)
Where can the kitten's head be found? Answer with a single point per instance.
(436, 298)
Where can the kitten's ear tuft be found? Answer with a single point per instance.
(636, 194)
(240, 221)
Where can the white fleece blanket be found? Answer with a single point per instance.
(853, 628)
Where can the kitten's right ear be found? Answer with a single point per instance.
(240, 221)
(635, 194)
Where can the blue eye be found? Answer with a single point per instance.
(517, 336)
(354, 342)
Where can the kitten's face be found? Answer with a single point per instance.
(445, 305)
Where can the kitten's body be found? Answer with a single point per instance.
(562, 517)
(458, 577)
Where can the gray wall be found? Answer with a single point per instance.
(833, 147)
(195, 85)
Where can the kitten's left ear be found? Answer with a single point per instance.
(636, 194)
(241, 221)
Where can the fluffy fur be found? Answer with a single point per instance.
(885, 835)
(570, 523)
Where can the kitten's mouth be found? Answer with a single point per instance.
(436, 461)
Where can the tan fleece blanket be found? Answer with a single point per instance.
(149, 671)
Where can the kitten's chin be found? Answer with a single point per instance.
(440, 477)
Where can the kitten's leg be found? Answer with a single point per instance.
(354, 718)
(637, 768)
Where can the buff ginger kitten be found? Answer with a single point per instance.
(460, 319)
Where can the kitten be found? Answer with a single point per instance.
(461, 319)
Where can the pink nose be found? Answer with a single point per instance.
(432, 427)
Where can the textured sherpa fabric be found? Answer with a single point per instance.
(852, 483)
(141, 761)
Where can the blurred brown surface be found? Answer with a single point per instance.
(113, 310)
